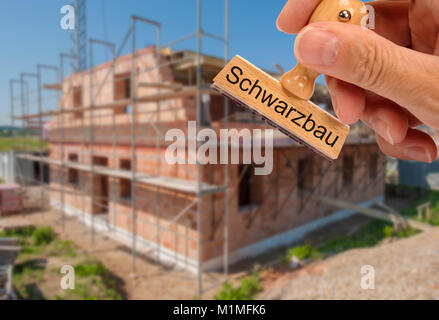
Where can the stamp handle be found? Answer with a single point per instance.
(300, 80)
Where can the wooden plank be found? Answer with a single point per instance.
(366, 211)
(161, 85)
(397, 216)
(53, 86)
(9, 248)
(9, 241)
(189, 186)
(156, 97)
(300, 119)
(37, 115)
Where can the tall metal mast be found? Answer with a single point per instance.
(78, 36)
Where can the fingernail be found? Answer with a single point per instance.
(418, 154)
(383, 129)
(335, 106)
(316, 46)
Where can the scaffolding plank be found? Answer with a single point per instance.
(167, 85)
(37, 115)
(53, 86)
(156, 97)
(366, 211)
(189, 186)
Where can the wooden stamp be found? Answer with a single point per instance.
(297, 118)
(300, 81)
(285, 104)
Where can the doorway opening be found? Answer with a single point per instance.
(101, 188)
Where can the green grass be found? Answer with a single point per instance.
(19, 232)
(21, 144)
(303, 252)
(92, 279)
(248, 288)
(368, 236)
(65, 248)
(28, 267)
(95, 283)
(91, 268)
(43, 236)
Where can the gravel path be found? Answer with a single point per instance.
(404, 269)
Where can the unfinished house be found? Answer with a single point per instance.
(107, 160)
(105, 177)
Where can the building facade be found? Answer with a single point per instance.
(106, 165)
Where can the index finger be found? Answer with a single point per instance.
(295, 15)
(391, 18)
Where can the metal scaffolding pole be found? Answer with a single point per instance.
(12, 98)
(25, 75)
(134, 135)
(199, 117)
(40, 67)
(114, 139)
(62, 155)
(61, 172)
(226, 167)
(91, 141)
(23, 125)
(111, 47)
(133, 144)
(23, 128)
(158, 143)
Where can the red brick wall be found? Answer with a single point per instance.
(281, 209)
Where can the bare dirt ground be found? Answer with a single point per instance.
(318, 236)
(153, 280)
(405, 269)
(150, 281)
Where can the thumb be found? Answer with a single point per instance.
(364, 58)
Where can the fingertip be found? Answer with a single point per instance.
(282, 22)
(295, 15)
(386, 118)
(279, 27)
(330, 83)
(417, 146)
(432, 149)
(398, 123)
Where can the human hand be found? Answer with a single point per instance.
(388, 78)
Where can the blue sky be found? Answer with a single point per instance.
(31, 34)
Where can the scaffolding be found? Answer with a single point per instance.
(308, 195)
(164, 91)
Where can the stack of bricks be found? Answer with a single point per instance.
(10, 198)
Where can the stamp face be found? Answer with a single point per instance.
(300, 119)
